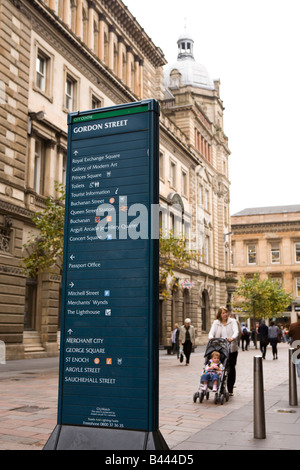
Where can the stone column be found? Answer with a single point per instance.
(31, 163)
(128, 71)
(79, 25)
(137, 75)
(120, 58)
(111, 58)
(141, 79)
(101, 37)
(52, 5)
(66, 12)
(50, 169)
(60, 162)
(90, 43)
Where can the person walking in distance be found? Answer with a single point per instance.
(263, 335)
(187, 339)
(175, 340)
(225, 327)
(245, 337)
(274, 332)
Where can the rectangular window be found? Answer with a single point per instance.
(297, 252)
(96, 103)
(172, 179)
(43, 73)
(207, 250)
(298, 286)
(251, 249)
(69, 94)
(184, 183)
(39, 167)
(206, 200)
(41, 70)
(275, 254)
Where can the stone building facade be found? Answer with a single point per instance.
(266, 240)
(60, 56)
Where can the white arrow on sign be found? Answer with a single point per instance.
(72, 284)
(70, 331)
(72, 257)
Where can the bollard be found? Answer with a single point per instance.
(259, 424)
(293, 398)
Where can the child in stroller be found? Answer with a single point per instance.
(218, 381)
(212, 371)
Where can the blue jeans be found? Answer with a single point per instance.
(209, 377)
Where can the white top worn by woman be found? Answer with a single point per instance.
(229, 330)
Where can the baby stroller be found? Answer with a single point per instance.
(222, 346)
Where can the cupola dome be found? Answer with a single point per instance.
(186, 71)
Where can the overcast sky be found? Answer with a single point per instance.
(253, 47)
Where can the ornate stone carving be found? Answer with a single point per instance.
(5, 232)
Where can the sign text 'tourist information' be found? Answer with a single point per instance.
(108, 365)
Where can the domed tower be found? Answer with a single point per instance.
(192, 99)
(192, 102)
(186, 71)
(194, 174)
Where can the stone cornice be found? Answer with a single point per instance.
(266, 227)
(12, 209)
(122, 15)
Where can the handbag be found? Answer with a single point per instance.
(279, 337)
(180, 354)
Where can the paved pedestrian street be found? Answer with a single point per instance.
(180, 418)
(29, 391)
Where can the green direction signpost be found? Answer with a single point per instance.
(108, 390)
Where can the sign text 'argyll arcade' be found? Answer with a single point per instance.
(109, 333)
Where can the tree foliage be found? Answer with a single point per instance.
(173, 255)
(45, 251)
(261, 298)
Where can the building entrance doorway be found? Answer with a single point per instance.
(30, 305)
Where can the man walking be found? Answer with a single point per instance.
(187, 339)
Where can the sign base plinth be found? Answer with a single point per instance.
(86, 438)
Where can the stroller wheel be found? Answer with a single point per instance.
(216, 398)
(207, 395)
(201, 397)
(196, 395)
(222, 399)
(227, 396)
